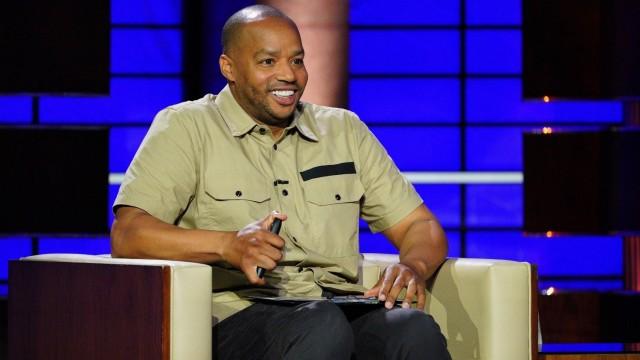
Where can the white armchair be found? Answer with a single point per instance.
(68, 306)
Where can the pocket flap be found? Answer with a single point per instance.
(334, 189)
(245, 189)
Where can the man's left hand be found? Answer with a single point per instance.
(395, 278)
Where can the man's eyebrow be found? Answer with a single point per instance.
(267, 52)
(271, 52)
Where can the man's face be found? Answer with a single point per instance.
(268, 75)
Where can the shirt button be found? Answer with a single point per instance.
(275, 146)
(338, 197)
(285, 192)
(262, 131)
(238, 193)
(299, 269)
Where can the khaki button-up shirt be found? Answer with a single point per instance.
(206, 164)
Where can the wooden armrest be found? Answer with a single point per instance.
(95, 307)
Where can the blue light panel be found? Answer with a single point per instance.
(429, 51)
(493, 12)
(494, 52)
(494, 148)
(405, 100)
(92, 246)
(584, 348)
(494, 205)
(443, 201)
(500, 100)
(123, 144)
(131, 101)
(377, 243)
(15, 109)
(148, 12)
(405, 12)
(12, 249)
(416, 148)
(154, 51)
(453, 239)
(556, 256)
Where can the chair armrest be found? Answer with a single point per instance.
(487, 309)
(86, 306)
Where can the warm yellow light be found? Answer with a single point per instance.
(549, 234)
(547, 130)
(549, 291)
(546, 99)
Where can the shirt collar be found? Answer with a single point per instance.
(240, 123)
(303, 120)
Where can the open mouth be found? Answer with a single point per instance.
(284, 97)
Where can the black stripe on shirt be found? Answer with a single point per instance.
(328, 170)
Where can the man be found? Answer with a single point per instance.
(208, 169)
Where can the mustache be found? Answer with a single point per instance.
(283, 86)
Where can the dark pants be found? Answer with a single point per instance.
(322, 330)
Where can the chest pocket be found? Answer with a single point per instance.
(333, 190)
(333, 203)
(232, 201)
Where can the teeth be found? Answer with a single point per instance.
(283, 93)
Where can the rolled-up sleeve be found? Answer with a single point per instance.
(389, 197)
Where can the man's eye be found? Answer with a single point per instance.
(298, 61)
(267, 62)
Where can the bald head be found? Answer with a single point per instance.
(234, 24)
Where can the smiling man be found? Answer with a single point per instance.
(265, 70)
(212, 175)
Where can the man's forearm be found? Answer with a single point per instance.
(424, 247)
(137, 234)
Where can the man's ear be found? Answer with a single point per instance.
(226, 67)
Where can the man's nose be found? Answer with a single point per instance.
(285, 72)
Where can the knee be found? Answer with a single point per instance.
(324, 318)
(417, 329)
(413, 321)
(327, 332)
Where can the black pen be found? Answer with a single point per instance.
(275, 228)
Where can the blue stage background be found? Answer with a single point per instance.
(438, 81)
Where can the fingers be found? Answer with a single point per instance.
(256, 246)
(265, 224)
(396, 278)
(266, 245)
(411, 292)
(268, 220)
(263, 240)
(422, 297)
(398, 284)
(390, 275)
(252, 261)
(375, 290)
(252, 275)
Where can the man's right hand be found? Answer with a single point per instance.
(255, 246)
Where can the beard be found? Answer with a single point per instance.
(264, 112)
